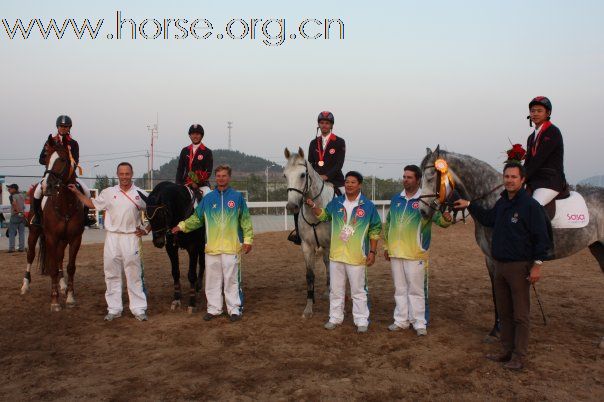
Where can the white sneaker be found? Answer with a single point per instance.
(421, 332)
(330, 325)
(362, 329)
(394, 327)
(112, 316)
(141, 317)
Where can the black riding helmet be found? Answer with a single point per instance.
(64, 120)
(539, 100)
(326, 116)
(196, 128)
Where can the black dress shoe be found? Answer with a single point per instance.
(500, 357)
(235, 317)
(515, 363)
(209, 316)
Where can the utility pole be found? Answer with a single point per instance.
(229, 126)
(154, 130)
(148, 171)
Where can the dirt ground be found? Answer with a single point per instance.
(274, 354)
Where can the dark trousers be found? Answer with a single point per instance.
(513, 304)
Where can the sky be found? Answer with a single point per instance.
(406, 76)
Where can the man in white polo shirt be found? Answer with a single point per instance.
(122, 252)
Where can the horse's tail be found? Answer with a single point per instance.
(43, 255)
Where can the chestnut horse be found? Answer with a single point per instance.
(62, 221)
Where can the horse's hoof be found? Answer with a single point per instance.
(70, 302)
(191, 309)
(55, 307)
(175, 305)
(307, 314)
(63, 285)
(490, 339)
(25, 287)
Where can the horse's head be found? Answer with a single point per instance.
(59, 169)
(158, 215)
(434, 195)
(296, 175)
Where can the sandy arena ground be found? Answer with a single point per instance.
(274, 354)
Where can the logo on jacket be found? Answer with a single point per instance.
(137, 198)
(199, 157)
(332, 151)
(515, 217)
(231, 204)
(360, 213)
(415, 205)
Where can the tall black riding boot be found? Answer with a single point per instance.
(36, 219)
(294, 236)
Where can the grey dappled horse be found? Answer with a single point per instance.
(304, 182)
(476, 180)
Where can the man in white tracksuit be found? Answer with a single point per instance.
(124, 228)
(228, 225)
(406, 240)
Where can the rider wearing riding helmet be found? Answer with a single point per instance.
(544, 161)
(195, 163)
(326, 155)
(63, 137)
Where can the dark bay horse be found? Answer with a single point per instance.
(62, 222)
(168, 204)
(478, 181)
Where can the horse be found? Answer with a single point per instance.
(304, 182)
(35, 235)
(168, 204)
(62, 222)
(478, 181)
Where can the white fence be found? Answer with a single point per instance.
(287, 221)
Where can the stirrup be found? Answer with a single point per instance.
(294, 237)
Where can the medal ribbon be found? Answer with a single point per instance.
(320, 145)
(537, 140)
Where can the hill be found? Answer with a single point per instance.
(243, 165)
(597, 181)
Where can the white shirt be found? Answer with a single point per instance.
(324, 139)
(416, 195)
(350, 205)
(122, 216)
(195, 147)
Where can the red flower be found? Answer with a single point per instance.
(516, 154)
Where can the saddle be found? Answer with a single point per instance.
(550, 208)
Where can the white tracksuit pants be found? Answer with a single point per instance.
(224, 269)
(410, 292)
(357, 276)
(122, 253)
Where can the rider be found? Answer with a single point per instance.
(326, 155)
(63, 137)
(195, 164)
(544, 161)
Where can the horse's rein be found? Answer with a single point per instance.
(150, 218)
(307, 185)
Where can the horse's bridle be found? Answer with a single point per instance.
(156, 208)
(305, 194)
(59, 175)
(307, 184)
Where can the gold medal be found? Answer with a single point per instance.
(321, 163)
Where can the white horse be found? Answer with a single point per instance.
(304, 182)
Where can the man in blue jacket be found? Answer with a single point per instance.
(520, 243)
